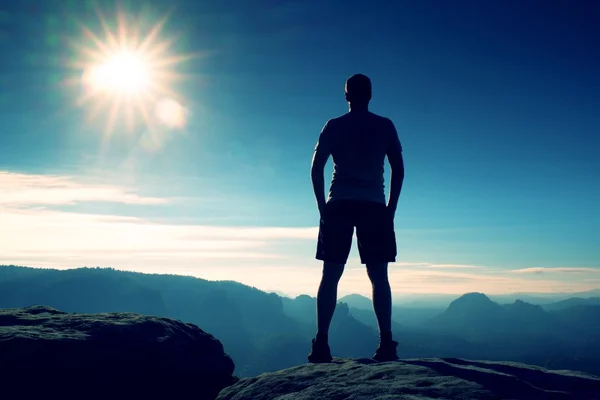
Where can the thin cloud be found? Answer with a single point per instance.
(455, 266)
(440, 266)
(411, 264)
(412, 280)
(544, 270)
(33, 235)
(264, 257)
(125, 256)
(263, 233)
(18, 190)
(34, 230)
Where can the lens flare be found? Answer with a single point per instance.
(171, 114)
(125, 77)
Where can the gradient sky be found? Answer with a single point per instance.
(497, 105)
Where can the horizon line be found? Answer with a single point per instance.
(280, 292)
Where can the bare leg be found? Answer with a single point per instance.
(382, 298)
(327, 297)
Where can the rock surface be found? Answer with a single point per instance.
(44, 351)
(415, 379)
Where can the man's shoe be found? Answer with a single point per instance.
(386, 351)
(320, 352)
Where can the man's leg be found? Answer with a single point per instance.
(382, 298)
(377, 248)
(327, 297)
(335, 240)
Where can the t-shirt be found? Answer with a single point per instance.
(358, 143)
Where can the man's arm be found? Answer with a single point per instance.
(320, 157)
(394, 154)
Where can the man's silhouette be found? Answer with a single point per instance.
(358, 142)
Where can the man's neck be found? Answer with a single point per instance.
(358, 108)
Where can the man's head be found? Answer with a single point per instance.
(358, 89)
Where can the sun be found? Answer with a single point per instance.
(125, 74)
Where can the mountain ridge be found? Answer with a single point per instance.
(265, 332)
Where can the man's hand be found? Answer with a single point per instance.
(391, 212)
(322, 210)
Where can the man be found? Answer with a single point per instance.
(358, 142)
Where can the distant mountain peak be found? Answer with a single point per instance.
(355, 296)
(474, 294)
(357, 301)
(523, 306)
(473, 297)
(522, 303)
(473, 302)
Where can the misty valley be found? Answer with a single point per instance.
(265, 332)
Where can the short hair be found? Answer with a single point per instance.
(358, 87)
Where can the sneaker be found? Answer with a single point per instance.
(386, 351)
(320, 352)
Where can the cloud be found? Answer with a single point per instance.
(263, 233)
(454, 266)
(18, 190)
(438, 266)
(67, 236)
(35, 235)
(264, 257)
(544, 270)
(431, 281)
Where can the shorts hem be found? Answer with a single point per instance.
(332, 260)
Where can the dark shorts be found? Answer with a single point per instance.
(374, 231)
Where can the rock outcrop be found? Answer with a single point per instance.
(46, 353)
(415, 379)
(50, 353)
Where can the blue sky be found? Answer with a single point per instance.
(496, 105)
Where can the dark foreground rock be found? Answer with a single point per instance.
(415, 379)
(48, 352)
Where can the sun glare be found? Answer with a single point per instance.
(124, 73)
(126, 78)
